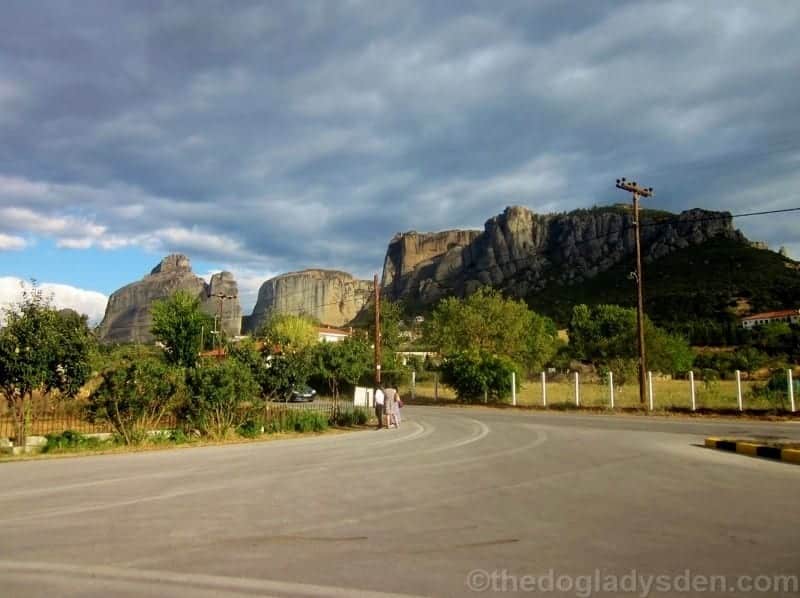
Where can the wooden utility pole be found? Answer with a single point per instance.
(377, 332)
(637, 191)
(221, 297)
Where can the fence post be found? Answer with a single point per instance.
(436, 386)
(514, 388)
(739, 389)
(650, 388)
(544, 389)
(413, 384)
(611, 387)
(577, 391)
(691, 386)
(791, 388)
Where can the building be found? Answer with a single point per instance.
(332, 335)
(792, 316)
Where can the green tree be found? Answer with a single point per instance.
(292, 333)
(178, 323)
(136, 396)
(478, 375)
(41, 351)
(487, 322)
(603, 333)
(344, 362)
(221, 396)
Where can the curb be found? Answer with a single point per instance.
(755, 449)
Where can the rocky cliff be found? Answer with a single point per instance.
(334, 298)
(523, 252)
(127, 317)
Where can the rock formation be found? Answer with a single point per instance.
(334, 298)
(127, 317)
(523, 252)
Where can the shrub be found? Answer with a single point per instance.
(69, 440)
(252, 428)
(307, 421)
(221, 397)
(135, 397)
(776, 390)
(475, 376)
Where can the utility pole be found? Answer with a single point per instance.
(221, 297)
(377, 332)
(637, 191)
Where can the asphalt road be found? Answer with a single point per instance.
(523, 497)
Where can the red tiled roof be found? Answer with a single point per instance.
(783, 313)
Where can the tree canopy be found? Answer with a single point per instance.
(292, 333)
(487, 322)
(604, 334)
(41, 350)
(178, 323)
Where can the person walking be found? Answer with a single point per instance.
(380, 399)
(391, 407)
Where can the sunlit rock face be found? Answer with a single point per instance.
(128, 319)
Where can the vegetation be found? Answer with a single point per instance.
(692, 292)
(487, 323)
(606, 335)
(342, 363)
(289, 333)
(178, 323)
(42, 351)
(220, 397)
(135, 397)
(478, 375)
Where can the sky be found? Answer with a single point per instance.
(267, 137)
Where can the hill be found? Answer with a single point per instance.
(704, 286)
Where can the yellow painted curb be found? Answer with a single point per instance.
(711, 442)
(747, 448)
(791, 455)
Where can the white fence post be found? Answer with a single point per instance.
(514, 388)
(650, 388)
(611, 387)
(691, 386)
(791, 388)
(739, 389)
(413, 384)
(544, 389)
(577, 391)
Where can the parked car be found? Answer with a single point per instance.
(302, 393)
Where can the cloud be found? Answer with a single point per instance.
(275, 138)
(12, 243)
(90, 303)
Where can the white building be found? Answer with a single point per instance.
(332, 335)
(791, 316)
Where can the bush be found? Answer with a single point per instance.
(70, 440)
(475, 376)
(135, 397)
(221, 397)
(308, 421)
(346, 418)
(776, 390)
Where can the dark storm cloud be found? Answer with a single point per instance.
(277, 136)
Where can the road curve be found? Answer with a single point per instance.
(408, 512)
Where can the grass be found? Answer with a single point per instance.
(668, 394)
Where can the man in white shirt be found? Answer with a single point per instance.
(379, 399)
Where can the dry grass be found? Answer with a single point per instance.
(667, 394)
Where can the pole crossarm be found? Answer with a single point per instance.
(633, 187)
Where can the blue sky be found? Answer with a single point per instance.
(265, 137)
